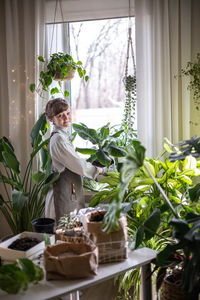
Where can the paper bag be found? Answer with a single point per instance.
(70, 260)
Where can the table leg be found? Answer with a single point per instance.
(146, 282)
(74, 296)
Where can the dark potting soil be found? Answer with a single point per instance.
(97, 217)
(24, 244)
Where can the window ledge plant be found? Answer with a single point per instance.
(61, 66)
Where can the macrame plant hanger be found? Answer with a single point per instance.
(130, 88)
(54, 22)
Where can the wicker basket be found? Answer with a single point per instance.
(173, 291)
(70, 75)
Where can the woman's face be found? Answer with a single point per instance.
(62, 119)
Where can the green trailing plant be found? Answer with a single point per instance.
(58, 67)
(129, 119)
(17, 276)
(104, 144)
(193, 71)
(24, 194)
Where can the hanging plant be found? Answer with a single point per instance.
(129, 119)
(193, 70)
(60, 67)
(130, 131)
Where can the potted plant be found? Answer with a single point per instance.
(28, 191)
(105, 144)
(60, 66)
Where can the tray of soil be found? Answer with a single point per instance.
(25, 244)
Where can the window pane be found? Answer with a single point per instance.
(102, 48)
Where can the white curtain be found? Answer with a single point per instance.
(167, 37)
(21, 40)
(21, 34)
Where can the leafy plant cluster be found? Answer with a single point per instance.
(59, 67)
(104, 144)
(193, 71)
(158, 192)
(26, 200)
(17, 276)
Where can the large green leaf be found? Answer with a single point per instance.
(117, 134)
(139, 237)
(11, 161)
(40, 125)
(38, 177)
(18, 199)
(41, 145)
(33, 272)
(44, 157)
(86, 133)
(104, 132)
(134, 160)
(86, 150)
(116, 151)
(151, 224)
(103, 158)
(13, 183)
(164, 255)
(12, 279)
(5, 146)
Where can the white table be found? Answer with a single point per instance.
(51, 289)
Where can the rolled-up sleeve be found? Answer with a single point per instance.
(64, 156)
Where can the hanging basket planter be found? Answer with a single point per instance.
(59, 75)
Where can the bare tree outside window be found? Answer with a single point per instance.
(101, 46)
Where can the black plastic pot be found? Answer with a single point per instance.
(44, 225)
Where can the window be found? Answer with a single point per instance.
(102, 47)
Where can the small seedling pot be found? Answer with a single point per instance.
(45, 225)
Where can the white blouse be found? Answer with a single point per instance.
(64, 155)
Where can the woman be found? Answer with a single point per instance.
(67, 190)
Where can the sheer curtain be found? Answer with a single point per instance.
(166, 39)
(21, 40)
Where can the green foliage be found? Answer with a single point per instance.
(27, 198)
(60, 66)
(105, 145)
(15, 277)
(193, 71)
